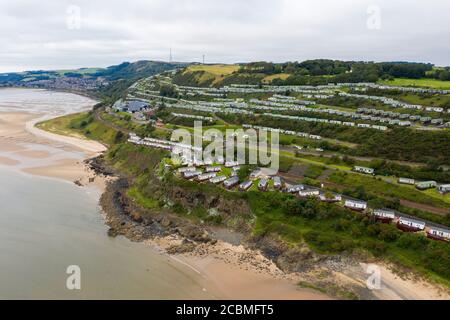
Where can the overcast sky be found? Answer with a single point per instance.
(56, 34)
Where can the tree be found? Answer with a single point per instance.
(168, 91)
(244, 172)
(119, 137)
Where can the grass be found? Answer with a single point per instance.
(212, 74)
(384, 189)
(61, 125)
(216, 69)
(140, 199)
(427, 83)
(281, 76)
(80, 125)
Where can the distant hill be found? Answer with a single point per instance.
(95, 81)
(310, 72)
(135, 70)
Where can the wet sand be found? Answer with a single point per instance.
(28, 149)
(229, 271)
(31, 150)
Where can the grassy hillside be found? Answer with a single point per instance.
(325, 228)
(80, 125)
(426, 83)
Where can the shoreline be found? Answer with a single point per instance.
(221, 260)
(18, 130)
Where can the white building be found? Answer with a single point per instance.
(407, 181)
(411, 224)
(364, 170)
(445, 188)
(384, 214)
(356, 205)
(438, 233)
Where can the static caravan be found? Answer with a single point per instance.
(245, 185)
(277, 183)
(438, 234)
(208, 162)
(256, 174)
(218, 179)
(295, 189)
(213, 169)
(206, 176)
(191, 174)
(330, 198)
(186, 169)
(424, 185)
(356, 205)
(407, 181)
(308, 193)
(263, 184)
(199, 163)
(385, 216)
(410, 225)
(445, 188)
(230, 183)
(364, 170)
(231, 164)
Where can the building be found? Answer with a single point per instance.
(245, 185)
(230, 183)
(356, 205)
(383, 215)
(135, 106)
(438, 234)
(186, 169)
(295, 189)
(445, 188)
(263, 184)
(407, 181)
(206, 176)
(277, 183)
(213, 169)
(256, 174)
(308, 193)
(410, 225)
(426, 185)
(364, 170)
(218, 179)
(330, 197)
(230, 164)
(191, 174)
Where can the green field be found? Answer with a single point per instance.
(282, 76)
(426, 83)
(216, 69)
(80, 125)
(211, 73)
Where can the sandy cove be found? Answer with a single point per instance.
(31, 150)
(229, 271)
(28, 149)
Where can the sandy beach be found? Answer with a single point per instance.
(229, 271)
(28, 149)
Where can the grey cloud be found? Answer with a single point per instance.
(34, 34)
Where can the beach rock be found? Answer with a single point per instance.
(185, 247)
(136, 217)
(165, 222)
(112, 233)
